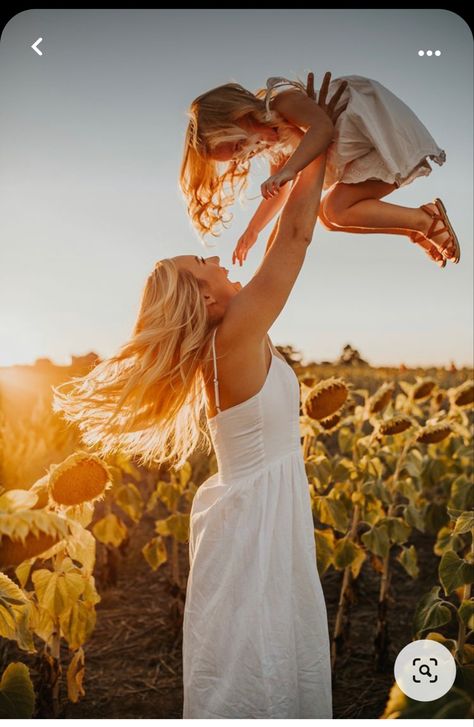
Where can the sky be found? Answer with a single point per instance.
(91, 143)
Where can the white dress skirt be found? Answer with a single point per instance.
(376, 137)
(255, 632)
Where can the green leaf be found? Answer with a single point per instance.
(169, 493)
(377, 489)
(342, 470)
(347, 553)
(398, 530)
(435, 517)
(176, 525)
(344, 440)
(454, 513)
(458, 705)
(128, 498)
(413, 463)
(408, 489)
(127, 465)
(465, 677)
(464, 522)
(322, 468)
(454, 572)
(461, 494)
(430, 612)
(185, 475)
(446, 540)
(332, 512)
(155, 552)
(56, 591)
(324, 543)
(344, 552)
(466, 611)
(17, 696)
(110, 530)
(375, 467)
(414, 518)
(377, 540)
(434, 472)
(408, 559)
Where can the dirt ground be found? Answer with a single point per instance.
(133, 661)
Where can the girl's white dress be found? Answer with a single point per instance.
(376, 137)
(255, 632)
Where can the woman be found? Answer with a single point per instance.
(255, 632)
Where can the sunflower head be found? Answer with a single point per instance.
(381, 398)
(423, 388)
(394, 425)
(434, 433)
(329, 424)
(463, 395)
(326, 398)
(82, 477)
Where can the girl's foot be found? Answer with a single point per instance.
(430, 249)
(438, 231)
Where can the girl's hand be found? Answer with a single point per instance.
(272, 185)
(248, 239)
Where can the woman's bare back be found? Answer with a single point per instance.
(241, 373)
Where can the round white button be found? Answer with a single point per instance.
(425, 670)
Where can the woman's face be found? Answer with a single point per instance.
(213, 279)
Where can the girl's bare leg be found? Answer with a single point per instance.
(359, 206)
(421, 240)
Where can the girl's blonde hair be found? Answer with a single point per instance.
(212, 120)
(156, 380)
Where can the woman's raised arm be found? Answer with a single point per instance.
(252, 312)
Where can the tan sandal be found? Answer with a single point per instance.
(417, 238)
(447, 227)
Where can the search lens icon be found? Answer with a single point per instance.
(420, 659)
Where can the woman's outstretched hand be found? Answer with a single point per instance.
(330, 107)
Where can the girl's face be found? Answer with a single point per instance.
(227, 150)
(257, 137)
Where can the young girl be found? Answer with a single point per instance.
(376, 145)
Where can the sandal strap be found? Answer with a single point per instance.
(435, 219)
(442, 230)
(438, 232)
(427, 209)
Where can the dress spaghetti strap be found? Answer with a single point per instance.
(274, 82)
(216, 387)
(216, 381)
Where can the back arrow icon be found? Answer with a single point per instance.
(35, 48)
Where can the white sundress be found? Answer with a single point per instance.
(376, 137)
(255, 630)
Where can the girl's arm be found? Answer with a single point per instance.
(304, 113)
(268, 208)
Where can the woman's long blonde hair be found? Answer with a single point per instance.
(212, 120)
(146, 401)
